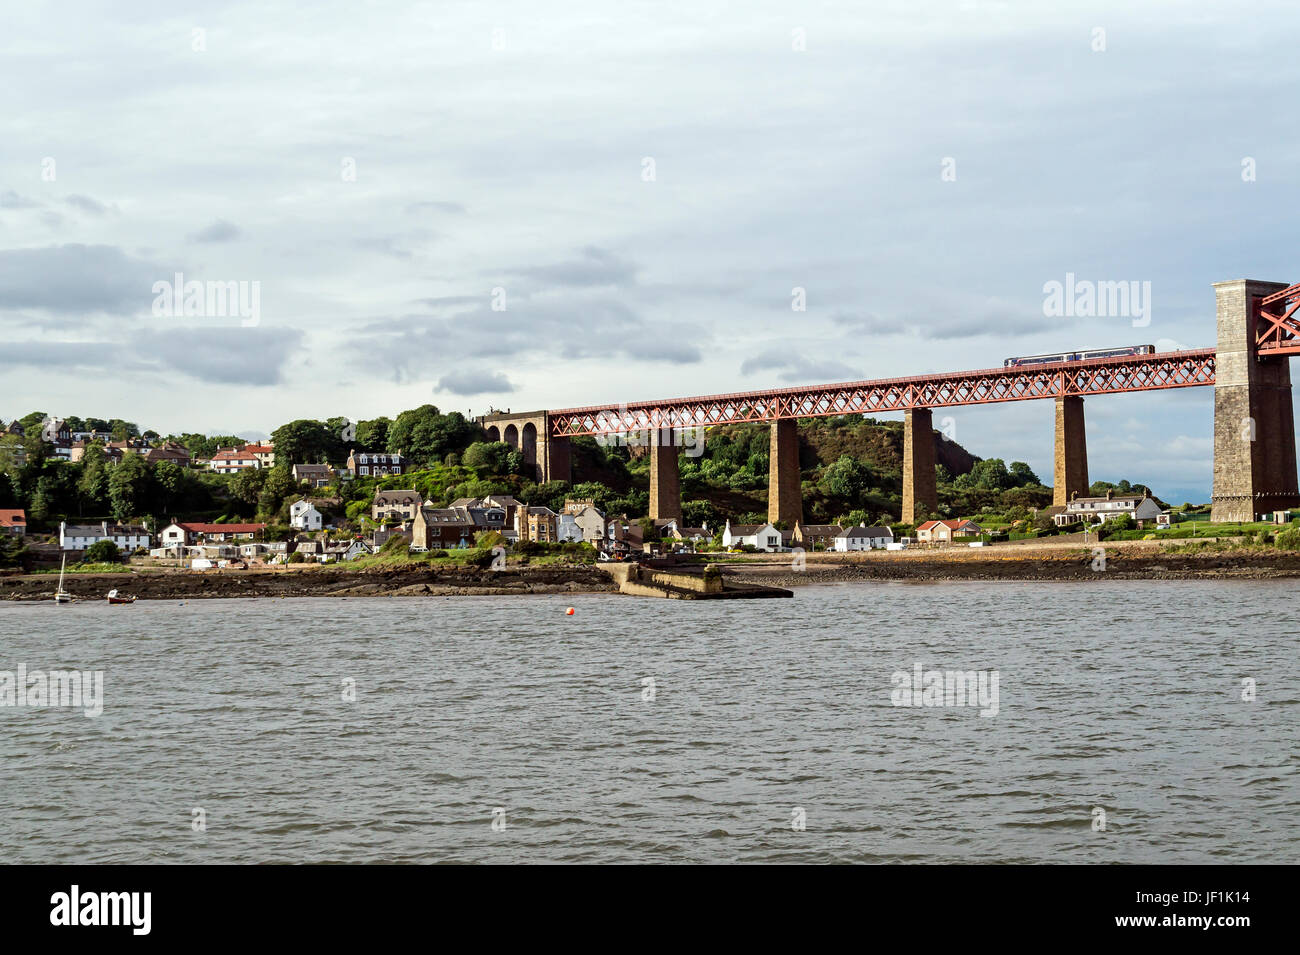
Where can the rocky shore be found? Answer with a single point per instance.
(315, 582)
(1059, 564)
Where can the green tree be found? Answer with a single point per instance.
(102, 552)
(92, 487)
(488, 457)
(304, 442)
(424, 434)
(129, 487)
(246, 486)
(846, 478)
(372, 435)
(1022, 474)
(279, 485)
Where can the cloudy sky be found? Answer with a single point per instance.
(643, 185)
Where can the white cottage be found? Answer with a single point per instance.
(761, 536)
(304, 516)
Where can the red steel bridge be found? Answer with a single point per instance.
(1098, 376)
(1258, 328)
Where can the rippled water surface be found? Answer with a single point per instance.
(1124, 696)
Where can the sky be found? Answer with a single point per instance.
(543, 205)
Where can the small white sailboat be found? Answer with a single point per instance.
(61, 596)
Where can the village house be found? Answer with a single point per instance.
(178, 533)
(396, 505)
(55, 431)
(622, 537)
(127, 537)
(170, 451)
(232, 461)
(537, 524)
(1093, 510)
(13, 522)
(945, 532)
(316, 475)
(863, 537)
(367, 464)
(761, 536)
(442, 528)
(304, 516)
(264, 452)
(504, 502)
(589, 521)
(810, 536)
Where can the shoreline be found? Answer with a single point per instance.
(920, 566)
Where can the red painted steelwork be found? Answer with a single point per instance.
(1097, 376)
(1278, 328)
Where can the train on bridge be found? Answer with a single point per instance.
(1128, 351)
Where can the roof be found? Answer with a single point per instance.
(260, 448)
(865, 532)
(447, 515)
(407, 496)
(313, 468)
(1117, 499)
(950, 524)
(10, 517)
(832, 529)
(745, 530)
(230, 454)
(221, 528)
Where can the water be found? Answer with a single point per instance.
(1124, 696)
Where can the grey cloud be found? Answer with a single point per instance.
(597, 267)
(212, 356)
(432, 205)
(89, 205)
(384, 245)
(219, 231)
(475, 383)
(572, 329)
(229, 356)
(12, 200)
(794, 367)
(76, 278)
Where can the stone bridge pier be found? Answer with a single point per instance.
(530, 433)
(920, 486)
(1254, 424)
(1070, 469)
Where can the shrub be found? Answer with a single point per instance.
(482, 559)
(435, 555)
(297, 558)
(1288, 539)
(102, 552)
(395, 543)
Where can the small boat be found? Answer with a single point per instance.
(115, 598)
(61, 596)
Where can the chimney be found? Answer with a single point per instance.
(1110, 493)
(1073, 495)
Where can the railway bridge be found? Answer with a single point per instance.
(1249, 370)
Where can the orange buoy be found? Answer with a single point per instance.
(569, 611)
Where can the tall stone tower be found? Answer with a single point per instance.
(1254, 425)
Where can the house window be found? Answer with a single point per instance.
(365, 470)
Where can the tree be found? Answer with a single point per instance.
(424, 434)
(372, 435)
(129, 487)
(279, 485)
(92, 487)
(304, 442)
(1021, 474)
(846, 478)
(246, 486)
(102, 552)
(488, 457)
(12, 550)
